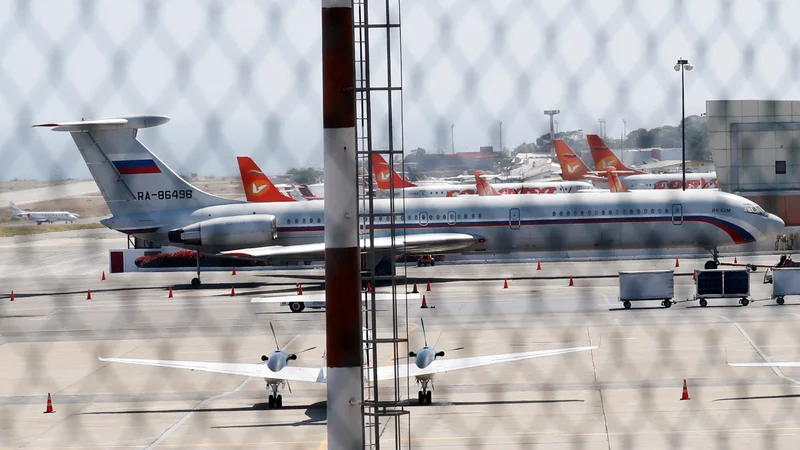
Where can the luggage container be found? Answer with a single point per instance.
(722, 283)
(785, 281)
(646, 285)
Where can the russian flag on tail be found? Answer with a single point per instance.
(136, 166)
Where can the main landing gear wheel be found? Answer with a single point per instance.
(428, 397)
(195, 282)
(297, 306)
(626, 304)
(271, 401)
(779, 300)
(703, 302)
(711, 265)
(666, 303)
(744, 302)
(279, 401)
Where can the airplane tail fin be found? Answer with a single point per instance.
(484, 188)
(603, 157)
(257, 186)
(383, 172)
(16, 211)
(614, 184)
(572, 168)
(130, 177)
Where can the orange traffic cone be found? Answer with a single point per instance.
(170, 292)
(505, 284)
(429, 286)
(299, 289)
(694, 275)
(12, 296)
(88, 294)
(233, 292)
(685, 394)
(233, 272)
(424, 303)
(539, 265)
(677, 263)
(571, 283)
(415, 291)
(103, 278)
(735, 261)
(369, 286)
(49, 405)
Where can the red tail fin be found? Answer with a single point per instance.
(257, 187)
(603, 157)
(572, 168)
(614, 184)
(383, 172)
(484, 188)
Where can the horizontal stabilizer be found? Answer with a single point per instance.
(114, 123)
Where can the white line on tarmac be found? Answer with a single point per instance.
(761, 353)
(190, 413)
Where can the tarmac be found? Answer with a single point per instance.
(625, 395)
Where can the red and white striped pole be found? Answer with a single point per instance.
(342, 317)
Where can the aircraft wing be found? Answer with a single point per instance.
(380, 296)
(765, 364)
(414, 243)
(449, 365)
(289, 373)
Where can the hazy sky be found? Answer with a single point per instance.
(244, 76)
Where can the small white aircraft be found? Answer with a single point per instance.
(277, 372)
(44, 216)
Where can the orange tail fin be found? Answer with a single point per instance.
(484, 188)
(614, 184)
(383, 172)
(257, 187)
(572, 168)
(603, 157)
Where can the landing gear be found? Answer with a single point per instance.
(275, 400)
(714, 262)
(424, 395)
(196, 280)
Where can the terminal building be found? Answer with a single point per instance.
(755, 145)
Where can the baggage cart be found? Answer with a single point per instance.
(646, 285)
(722, 283)
(785, 281)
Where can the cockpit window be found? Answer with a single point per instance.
(752, 208)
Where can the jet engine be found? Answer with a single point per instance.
(228, 233)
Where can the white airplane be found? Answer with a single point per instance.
(148, 199)
(43, 216)
(383, 173)
(277, 371)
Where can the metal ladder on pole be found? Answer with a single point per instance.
(386, 418)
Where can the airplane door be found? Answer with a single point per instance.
(451, 217)
(513, 218)
(423, 219)
(677, 214)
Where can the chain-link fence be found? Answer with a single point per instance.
(244, 78)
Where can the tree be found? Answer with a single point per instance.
(307, 175)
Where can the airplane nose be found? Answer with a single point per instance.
(775, 224)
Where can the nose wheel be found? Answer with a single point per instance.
(424, 396)
(275, 400)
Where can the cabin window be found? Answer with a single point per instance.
(603, 212)
(652, 211)
(659, 210)
(616, 212)
(288, 221)
(581, 212)
(319, 219)
(567, 213)
(480, 215)
(561, 213)
(595, 213)
(296, 221)
(437, 217)
(473, 215)
(554, 213)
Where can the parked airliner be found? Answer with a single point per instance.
(41, 217)
(149, 199)
(383, 173)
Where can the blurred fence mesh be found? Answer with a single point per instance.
(244, 78)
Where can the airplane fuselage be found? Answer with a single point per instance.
(582, 221)
(455, 190)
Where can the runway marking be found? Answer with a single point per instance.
(761, 353)
(190, 413)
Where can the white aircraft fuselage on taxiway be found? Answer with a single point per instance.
(148, 199)
(41, 217)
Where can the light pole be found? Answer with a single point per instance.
(551, 113)
(624, 136)
(682, 65)
(602, 123)
(556, 128)
(501, 134)
(453, 138)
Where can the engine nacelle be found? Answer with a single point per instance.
(228, 233)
